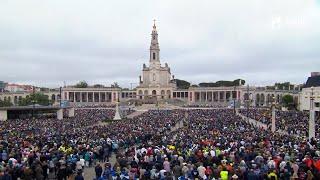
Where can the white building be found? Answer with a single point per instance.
(18, 88)
(311, 92)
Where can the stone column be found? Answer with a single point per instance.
(218, 96)
(87, 96)
(311, 116)
(191, 97)
(60, 114)
(80, 96)
(206, 93)
(93, 99)
(68, 98)
(99, 97)
(71, 112)
(225, 96)
(212, 96)
(113, 94)
(3, 115)
(273, 120)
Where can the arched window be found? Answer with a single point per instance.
(154, 56)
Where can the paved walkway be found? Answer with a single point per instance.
(89, 173)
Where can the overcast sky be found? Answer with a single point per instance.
(45, 43)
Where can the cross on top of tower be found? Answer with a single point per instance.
(154, 25)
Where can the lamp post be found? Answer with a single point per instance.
(234, 100)
(248, 100)
(60, 98)
(33, 101)
(273, 121)
(311, 117)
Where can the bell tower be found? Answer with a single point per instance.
(154, 47)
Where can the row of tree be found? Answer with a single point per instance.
(182, 84)
(84, 84)
(5, 103)
(37, 98)
(237, 82)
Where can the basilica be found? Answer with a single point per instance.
(156, 81)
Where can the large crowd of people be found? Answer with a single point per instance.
(212, 105)
(158, 144)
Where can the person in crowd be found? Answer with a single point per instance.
(159, 144)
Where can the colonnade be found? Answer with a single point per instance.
(213, 96)
(96, 97)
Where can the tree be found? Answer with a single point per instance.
(284, 86)
(238, 82)
(115, 85)
(81, 84)
(182, 84)
(287, 100)
(37, 98)
(5, 103)
(223, 83)
(98, 86)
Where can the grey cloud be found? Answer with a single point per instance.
(48, 42)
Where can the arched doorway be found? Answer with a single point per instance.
(272, 98)
(268, 99)
(53, 98)
(15, 100)
(140, 94)
(168, 94)
(145, 94)
(258, 100)
(163, 93)
(154, 93)
(262, 99)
